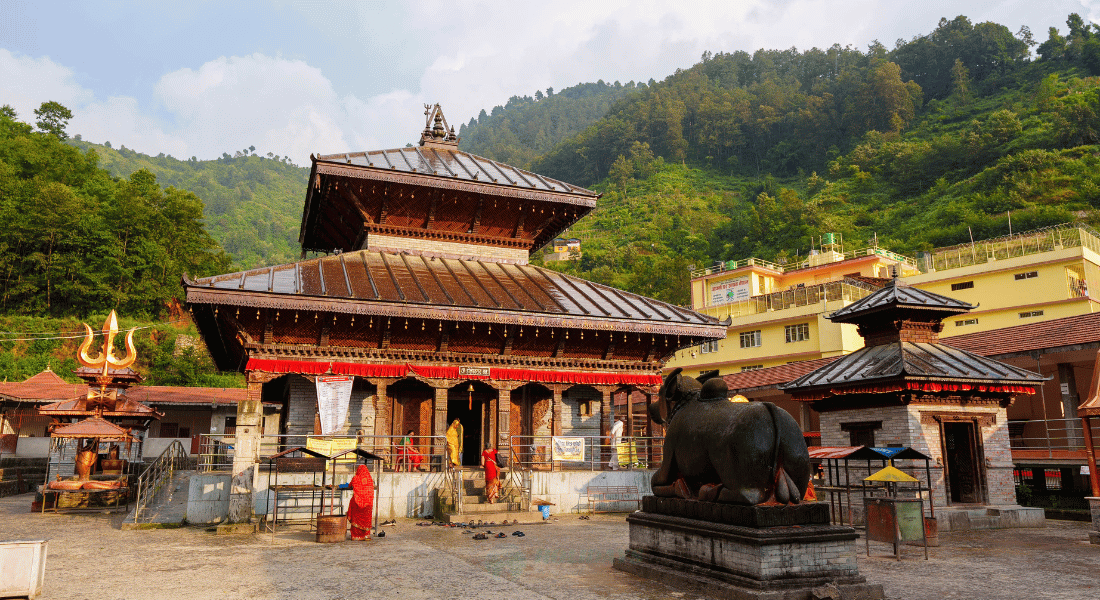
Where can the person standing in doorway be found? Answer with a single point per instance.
(454, 443)
(616, 439)
(492, 474)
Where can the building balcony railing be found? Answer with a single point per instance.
(801, 263)
(1056, 237)
(848, 290)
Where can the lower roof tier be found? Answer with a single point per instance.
(371, 305)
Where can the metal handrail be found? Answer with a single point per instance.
(161, 471)
(534, 452)
(216, 451)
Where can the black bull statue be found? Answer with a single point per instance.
(722, 451)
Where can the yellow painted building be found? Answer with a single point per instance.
(1014, 280)
(778, 311)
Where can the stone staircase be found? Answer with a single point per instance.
(475, 507)
(20, 475)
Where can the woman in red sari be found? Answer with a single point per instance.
(492, 474)
(361, 509)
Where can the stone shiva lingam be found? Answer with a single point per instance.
(729, 513)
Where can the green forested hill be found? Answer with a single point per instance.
(525, 128)
(253, 203)
(776, 147)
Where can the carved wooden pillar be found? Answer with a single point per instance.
(383, 415)
(559, 408)
(605, 423)
(439, 424)
(504, 421)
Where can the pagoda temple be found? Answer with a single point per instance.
(905, 389)
(426, 297)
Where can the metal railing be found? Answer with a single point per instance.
(216, 452)
(1051, 435)
(1066, 235)
(156, 475)
(848, 290)
(597, 453)
(722, 266)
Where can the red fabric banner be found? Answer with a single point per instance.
(450, 372)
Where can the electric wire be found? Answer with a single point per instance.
(33, 336)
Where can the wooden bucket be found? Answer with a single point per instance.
(331, 528)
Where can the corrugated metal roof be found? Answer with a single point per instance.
(772, 376)
(1067, 331)
(932, 362)
(439, 284)
(899, 296)
(92, 427)
(453, 164)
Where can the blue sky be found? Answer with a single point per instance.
(200, 78)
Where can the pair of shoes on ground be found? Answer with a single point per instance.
(389, 523)
(480, 536)
(518, 533)
(500, 535)
(585, 517)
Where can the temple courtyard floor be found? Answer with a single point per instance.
(89, 557)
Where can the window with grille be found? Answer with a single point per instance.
(1028, 275)
(709, 347)
(752, 368)
(750, 339)
(797, 333)
(965, 322)
(1031, 313)
(962, 285)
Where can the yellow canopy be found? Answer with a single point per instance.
(891, 474)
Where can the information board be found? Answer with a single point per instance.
(333, 398)
(570, 449)
(730, 290)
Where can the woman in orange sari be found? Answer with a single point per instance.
(361, 509)
(492, 474)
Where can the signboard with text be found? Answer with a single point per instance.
(333, 398)
(730, 290)
(568, 449)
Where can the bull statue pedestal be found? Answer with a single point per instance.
(728, 515)
(745, 552)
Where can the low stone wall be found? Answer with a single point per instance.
(413, 495)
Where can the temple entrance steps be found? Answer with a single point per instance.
(168, 507)
(475, 506)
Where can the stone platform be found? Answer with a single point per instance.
(725, 558)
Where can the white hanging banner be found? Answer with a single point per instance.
(333, 398)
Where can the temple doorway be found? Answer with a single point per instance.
(472, 404)
(530, 424)
(962, 458)
(412, 411)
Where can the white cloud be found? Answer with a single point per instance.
(28, 82)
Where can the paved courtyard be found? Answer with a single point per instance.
(91, 558)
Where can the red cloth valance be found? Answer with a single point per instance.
(306, 367)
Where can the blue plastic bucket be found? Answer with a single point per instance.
(545, 510)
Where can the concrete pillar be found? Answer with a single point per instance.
(246, 451)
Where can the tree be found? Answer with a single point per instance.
(8, 112)
(960, 77)
(53, 117)
(1054, 48)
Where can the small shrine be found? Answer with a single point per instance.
(905, 389)
(95, 436)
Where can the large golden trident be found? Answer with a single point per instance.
(104, 398)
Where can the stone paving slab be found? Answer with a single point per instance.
(90, 557)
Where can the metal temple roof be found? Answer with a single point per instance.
(897, 296)
(930, 362)
(418, 286)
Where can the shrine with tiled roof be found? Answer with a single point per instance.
(907, 389)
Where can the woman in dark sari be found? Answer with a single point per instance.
(361, 509)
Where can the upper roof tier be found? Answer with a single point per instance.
(434, 192)
(898, 300)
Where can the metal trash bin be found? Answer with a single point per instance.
(22, 568)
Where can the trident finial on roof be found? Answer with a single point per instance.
(107, 358)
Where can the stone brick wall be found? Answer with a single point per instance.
(903, 425)
(302, 408)
(442, 249)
